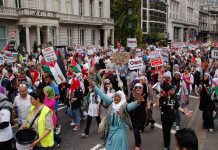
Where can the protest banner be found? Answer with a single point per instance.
(122, 57)
(49, 54)
(156, 58)
(135, 63)
(132, 42)
(214, 54)
(165, 55)
(138, 53)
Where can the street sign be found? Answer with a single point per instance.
(214, 54)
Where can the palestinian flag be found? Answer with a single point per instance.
(54, 69)
(76, 67)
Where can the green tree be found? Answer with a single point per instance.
(127, 18)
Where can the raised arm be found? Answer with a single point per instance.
(131, 106)
(103, 96)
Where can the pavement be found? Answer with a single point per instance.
(151, 139)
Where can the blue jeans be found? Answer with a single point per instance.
(178, 118)
(76, 116)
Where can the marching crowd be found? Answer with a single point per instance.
(111, 93)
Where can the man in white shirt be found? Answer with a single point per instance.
(22, 104)
(6, 133)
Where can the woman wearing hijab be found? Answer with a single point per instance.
(116, 119)
(206, 104)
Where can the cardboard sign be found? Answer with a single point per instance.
(135, 64)
(49, 54)
(214, 54)
(132, 42)
(156, 58)
(122, 57)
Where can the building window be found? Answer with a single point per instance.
(144, 26)
(93, 37)
(1, 3)
(3, 37)
(69, 37)
(53, 40)
(100, 9)
(91, 8)
(80, 7)
(81, 37)
(18, 3)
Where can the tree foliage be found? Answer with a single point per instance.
(127, 25)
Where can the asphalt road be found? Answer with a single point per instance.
(151, 139)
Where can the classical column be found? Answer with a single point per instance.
(96, 8)
(48, 34)
(105, 39)
(27, 38)
(17, 36)
(57, 35)
(112, 37)
(86, 8)
(181, 33)
(38, 35)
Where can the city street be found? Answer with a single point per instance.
(151, 139)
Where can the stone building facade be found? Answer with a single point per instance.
(61, 22)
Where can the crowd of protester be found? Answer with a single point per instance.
(111, 93)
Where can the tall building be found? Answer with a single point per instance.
(209, 2)
(61, 22)
(153, 18)
(208, 23)
(183, 19)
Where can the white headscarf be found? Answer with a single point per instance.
(122, 101)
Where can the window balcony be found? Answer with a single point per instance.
(26, 12)
(69, 18)
(9, 13)
(16, 13)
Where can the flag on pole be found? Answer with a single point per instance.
(76, 67)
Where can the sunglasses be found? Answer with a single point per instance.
(46, 77)
(107, 83)
(23, 85)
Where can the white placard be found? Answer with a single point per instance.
(49, 54)
(135, 63)
(132, 42)
(214, 54)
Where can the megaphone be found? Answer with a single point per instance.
(157, 87)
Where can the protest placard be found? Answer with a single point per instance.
(135, 63)
(49, 54)
(156, 58)
(132, 42)
(122, 57)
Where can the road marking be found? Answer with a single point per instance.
(16, 125)
(194, 96)
(160, 127)
(96, 147)
(62, 107)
